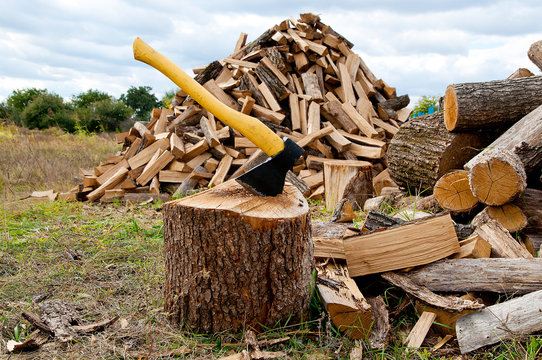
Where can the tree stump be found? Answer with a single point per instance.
(235, 260)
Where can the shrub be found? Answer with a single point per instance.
(90, 96)
(103, 115)
(141, 100)
(19, 100)
(48, 110)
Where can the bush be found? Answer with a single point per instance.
(141, 100)
(48, 110)
(19, 100)
(103, 115)
(425, 103)
(90, 96)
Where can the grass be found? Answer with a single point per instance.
(107, 259)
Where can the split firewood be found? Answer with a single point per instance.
(423, 150)
(417, 335)
(416, 243)
(498, 275)
(520, 73)
(498, 103)
(345, 178)
(510, 319)
(345, 304)
(535, 53)
(473, 247)
(445, 320)
(502, 244)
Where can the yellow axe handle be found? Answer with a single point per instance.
(252, 128)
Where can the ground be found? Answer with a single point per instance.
(106, 260)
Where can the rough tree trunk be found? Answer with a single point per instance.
(490, 104)
(535, 53)
(423, 150)
(235, 260)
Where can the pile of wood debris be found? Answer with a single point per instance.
(301, 79)
(452, 271)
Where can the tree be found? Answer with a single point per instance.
(103, 115)
(90, 96)
(19, 100)
(48, 110)
(141, 100)
(168, 98)
(425, 103)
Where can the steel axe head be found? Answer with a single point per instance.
(267, 179)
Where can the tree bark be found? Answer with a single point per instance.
(499, 275)
(236, 260)
(423, 150)
(490, 104)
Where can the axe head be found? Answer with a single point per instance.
(267, 179)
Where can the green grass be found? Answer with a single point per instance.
(108, 260)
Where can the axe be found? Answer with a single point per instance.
(266, 179)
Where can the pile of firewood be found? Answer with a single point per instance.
(480, 230)
(301, 79)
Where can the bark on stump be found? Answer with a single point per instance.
(423, 150)
(490, 104)
(236, 260)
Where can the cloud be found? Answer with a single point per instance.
(418, 47)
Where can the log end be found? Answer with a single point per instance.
(451, 110)
(453, 192)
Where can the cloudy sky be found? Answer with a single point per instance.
(419, 47)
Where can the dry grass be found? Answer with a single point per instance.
(40, 160)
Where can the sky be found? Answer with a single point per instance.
(418, 47)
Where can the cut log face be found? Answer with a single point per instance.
(453, 192)
(510, 216)
(235, 260)
(497, 176)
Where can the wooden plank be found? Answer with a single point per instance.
(153, 168)
(416, 337)
(282, 78)
(269, 97)
(315, 135)
(416, 243)
(214, 89)
(294, 112)
(499, 275)
(246, 64)
(146, 154)
(346, 83)
(364, 126)
(176, 146)
(311, 85)
(502, 244)
(222, 171)
(109, 184)
(303, 116)
(510, 319)
(313, 118)
(248, 103)
(169, 176)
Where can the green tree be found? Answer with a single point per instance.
(4, 111)
(168, 98)
(425, 103)
(19, 100)
(90, 96)
(48, 110)
(103, 115)
(141, 100)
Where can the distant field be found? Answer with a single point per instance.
(41, 160)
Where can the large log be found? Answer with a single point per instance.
(508, 320)
(423, 150)
(496, 176)
(524, 139)
(499, 275)
(453, 192)
(490, 104)
(236, 260)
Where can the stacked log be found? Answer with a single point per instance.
(300, 78)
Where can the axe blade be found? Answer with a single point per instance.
(267, 179)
